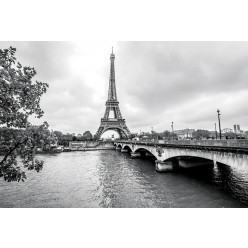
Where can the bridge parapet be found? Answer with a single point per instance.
(224, 143)
(232, 144)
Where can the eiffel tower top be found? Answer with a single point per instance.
(112, 96)
(112, 56)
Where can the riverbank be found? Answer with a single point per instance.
(91, 149)
(98, 148)
(82, 146)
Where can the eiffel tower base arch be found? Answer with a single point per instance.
(117, 126)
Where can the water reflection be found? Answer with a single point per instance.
(233, 181)
(113, 179)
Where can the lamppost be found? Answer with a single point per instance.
(172, 131)
(218, 111)
(215, 130)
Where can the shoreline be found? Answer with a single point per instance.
(79, 150)
(99, 148)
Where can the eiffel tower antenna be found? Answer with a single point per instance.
(117, 123)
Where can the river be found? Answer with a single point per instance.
(112, 179)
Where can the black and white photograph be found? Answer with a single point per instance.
(136, 125)
(123, 123)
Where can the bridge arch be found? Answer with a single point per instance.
(127, 147)
(145, 150)
(231, 159)
(190, 161)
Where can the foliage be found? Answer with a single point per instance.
(201, 134)
(64, 139)
(168, 135)
(19, 99)
(230, 135)
(58, 134)
(154, 135)
(132, 135)
(87, 135)
(23, 142)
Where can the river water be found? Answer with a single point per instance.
(113, 179)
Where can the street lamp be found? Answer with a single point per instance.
(218, 111)
(172, 131)
(215, 130)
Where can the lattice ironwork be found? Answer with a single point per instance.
(117, 123)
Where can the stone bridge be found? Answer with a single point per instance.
(189, 153)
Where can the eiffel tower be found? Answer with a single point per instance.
(117, 123)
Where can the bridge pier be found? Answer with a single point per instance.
(135, 155)
(161, 166)
(118, 148)
(124, 150)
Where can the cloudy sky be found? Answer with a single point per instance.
(157, 83)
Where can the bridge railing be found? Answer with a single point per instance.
(215, 143)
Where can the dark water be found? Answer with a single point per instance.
(113, 179)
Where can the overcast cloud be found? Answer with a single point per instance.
(157, 83)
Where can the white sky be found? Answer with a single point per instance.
(157, 83)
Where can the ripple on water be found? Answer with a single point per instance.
(111, 179)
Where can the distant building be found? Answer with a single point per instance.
(77, 145)
(236, 128)
(184, 133)
(227, 130)
(80, 145)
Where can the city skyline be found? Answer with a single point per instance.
(157, 83)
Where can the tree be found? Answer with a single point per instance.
(19, 99)
(230, 135)
(87, 135)
(79, 137)
(59, 135)
(160, 136)
(67, 137)
(201, 134)
(167, 134)
(132, 135)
